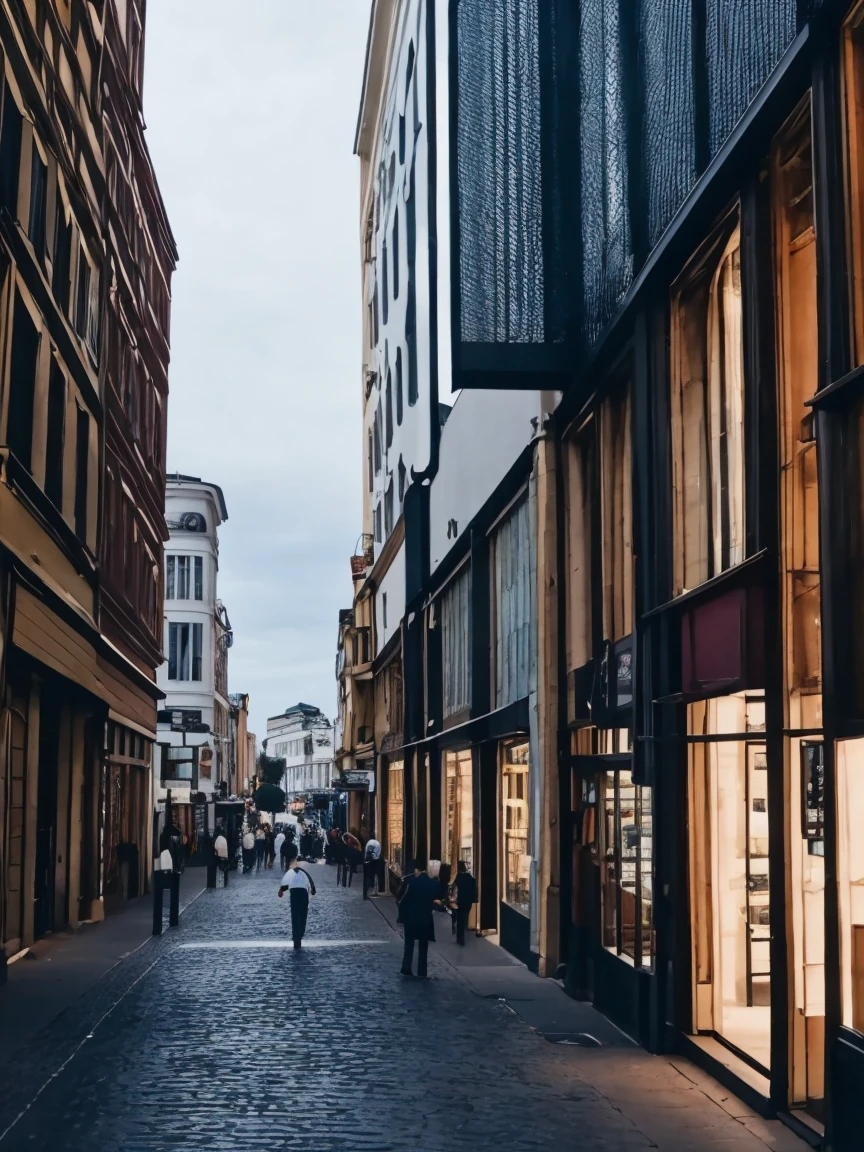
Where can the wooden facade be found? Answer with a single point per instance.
(85, 259)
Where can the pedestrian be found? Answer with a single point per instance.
(416, 908)
(278, 842)
(340, 855)
(248, 850)
(373, 873)
(285, 849)
(465, 891)
(220, 848)
(260, 848)
(270, 846)
(301, 886)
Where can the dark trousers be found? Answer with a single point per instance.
(411, 935)
(248, 859)
(373, 873)
(461, 917)
(259, 854)
(299, 913)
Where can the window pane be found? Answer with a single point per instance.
(82, 467)
(707, 413)
(172, 651)
(514, 800)
(169, 579)
(197, 637)
(646, 831)
(396, 814)
(616, 514)
(512, 553)
(456, 642)
(199, 578)
(611, 848)
(183, 661)
(459, 812)
(55, 437)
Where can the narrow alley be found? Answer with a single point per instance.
(217, 1035)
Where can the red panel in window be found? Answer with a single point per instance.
(723, 644)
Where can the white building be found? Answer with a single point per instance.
(193, 721)
(303, 737)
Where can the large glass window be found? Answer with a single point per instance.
(616, 502)
(850, 879)
(184, 578)
(396, 815)
(730, 880)
(707, 417)
(456, 644)
(514, 839)
(628, 925)
(580, 495)
(513, 605)
(459, 809)
(184, 651)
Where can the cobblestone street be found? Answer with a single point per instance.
(218, 1036)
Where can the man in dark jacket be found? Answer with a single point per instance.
(416, 905)
(466, 897)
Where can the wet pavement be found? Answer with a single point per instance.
(219, 1036)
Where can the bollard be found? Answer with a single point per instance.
(174, 906)
(157, 903)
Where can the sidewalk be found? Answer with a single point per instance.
(61, 968)
(668, 1098)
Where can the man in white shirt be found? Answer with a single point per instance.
(277, 844)
(248, 850)
(373, 868)
(298, 883)
(220, 848)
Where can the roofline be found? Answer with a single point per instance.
(359, 126)
(180, 478)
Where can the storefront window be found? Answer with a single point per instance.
(516, 861)
(730, 881)
(459, 809)
(850, 879)
(456, 644)
(627, 878)
(707, 411)
(616, 504)
(396, 814)
(581, 487)
(513, 614)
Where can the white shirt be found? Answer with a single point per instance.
(221, 846)
(294, 878)
(248, 841)
(280, 840)
(373, 850)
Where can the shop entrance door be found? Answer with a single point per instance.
(730, 878)
(46, 815)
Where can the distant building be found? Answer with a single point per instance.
(303, 737)
(194, 720)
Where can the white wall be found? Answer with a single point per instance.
(483, 435)
(393, 587)
(397, 195)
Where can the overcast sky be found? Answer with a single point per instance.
(250, 111)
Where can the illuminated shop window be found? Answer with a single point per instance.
(459, 810)
(627, 838)
(514, 806)
(396, 814)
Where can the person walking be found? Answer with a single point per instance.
(270, 846)
(372, 872)
(248, 849)
(465, 890)
(416, 908)
(220, 850)
(300, 886)
(277, 844)
(260, 848)
(341, 858)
